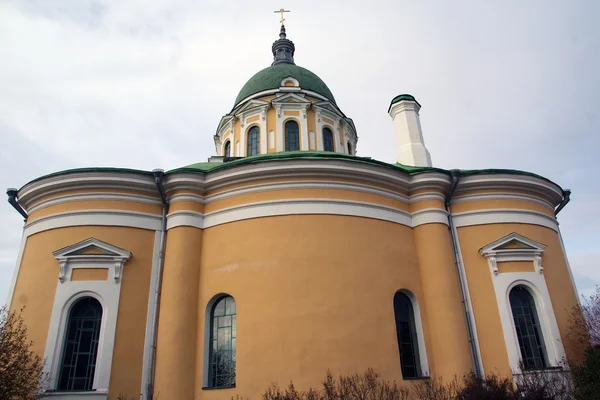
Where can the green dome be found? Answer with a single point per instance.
(271, 77)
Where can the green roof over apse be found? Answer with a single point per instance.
(271, 77)
(205, 167)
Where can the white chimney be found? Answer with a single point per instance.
(404, 110)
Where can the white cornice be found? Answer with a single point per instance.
(527, 183)
(85, 180)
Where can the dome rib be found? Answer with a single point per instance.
(271, 77)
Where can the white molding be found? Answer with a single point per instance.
(503, 283)
(94, 196)
(187, 197)
(531, 184)
(536, 283)
(185, 218)
(501, 196)
(69, 181)
(429, 216)
(304, 207)
(13, 282)
(150, 326)
(70, 257)
(68, 292)
(504, 216)
(530, 251)
(94, 217)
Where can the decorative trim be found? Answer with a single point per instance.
(94, 217)
(305, 207)
(536, 284)
(531, 184)
(94, 196)
(504, 216)
(68, 292)
(185, 218)
(530, 251)
(501, 196)
(72, 257)
(85, 180)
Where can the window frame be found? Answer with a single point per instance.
(227, 144)
(68, 322)
(252, 130)
(208, 338)
(331, 135)
(107, 292)
(285, 135)
(418, 334)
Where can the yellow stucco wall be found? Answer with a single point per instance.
(298, 299)
(36, 286)
(483, 298)
(176, 353)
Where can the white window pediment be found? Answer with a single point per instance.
(91, 253)
(513, 247)
(252, 105)
(283, 98)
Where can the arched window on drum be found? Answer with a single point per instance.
(327, 139)
(253, 141)
(292, 136)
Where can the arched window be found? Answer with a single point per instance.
(228, 149)
(327, 139)
(406, 333)
(292, 139)
(221, 363)
(80, 348)
(529, 330)
(253, 141)
(349, 148)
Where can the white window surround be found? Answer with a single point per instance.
(533, 281)
(68, 292)
(207, 323)
(420, 333)
(252, 109)
(291, 102)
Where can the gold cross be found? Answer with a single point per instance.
(281, 11)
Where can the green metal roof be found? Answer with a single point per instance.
(204, 167)
(271, 77)
(401, 97)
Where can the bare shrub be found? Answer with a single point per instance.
(21, 370)
(366, 386)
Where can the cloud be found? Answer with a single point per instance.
(143, 84)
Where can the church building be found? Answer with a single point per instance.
(139, 283)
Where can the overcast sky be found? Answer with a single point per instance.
(143, 84)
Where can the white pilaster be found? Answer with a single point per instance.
(411, 146)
